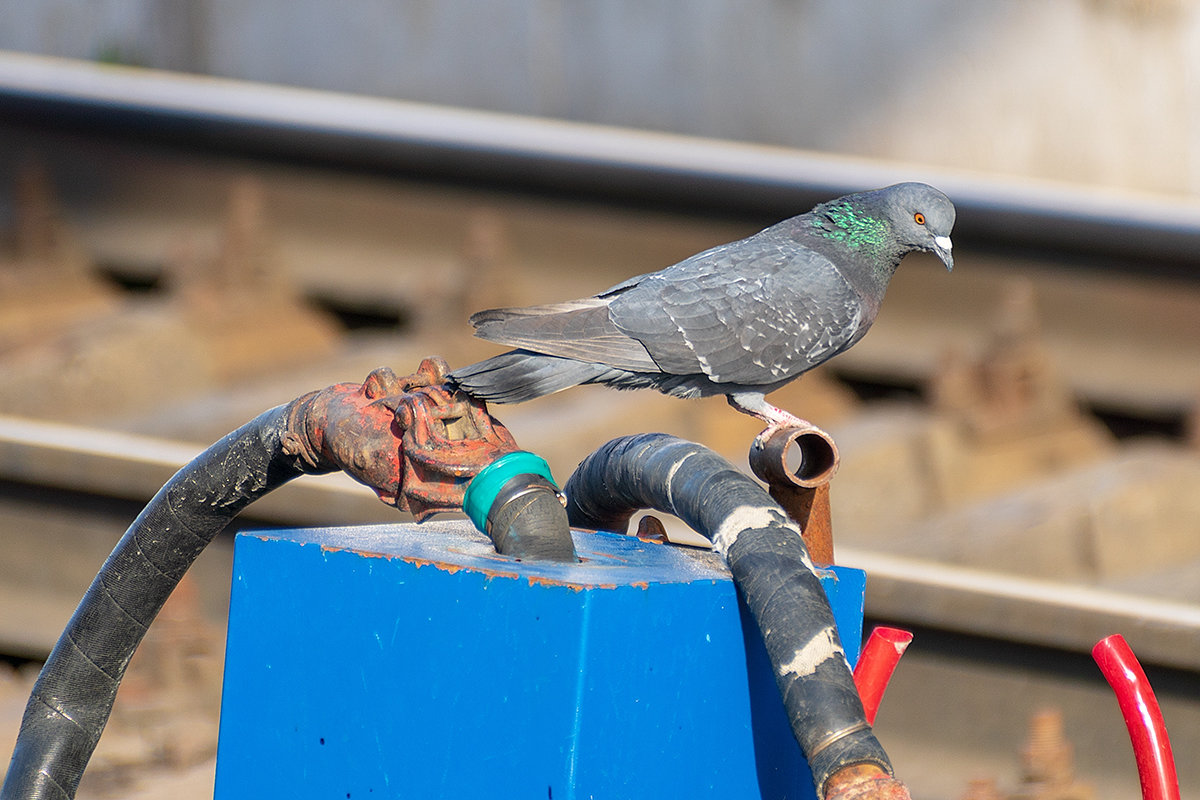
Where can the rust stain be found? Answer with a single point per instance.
(650, 529)
(535, 580)
(489, 574)
(438, 565)
(330, 548)
(413, 560)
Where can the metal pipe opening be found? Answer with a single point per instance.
(803, 456)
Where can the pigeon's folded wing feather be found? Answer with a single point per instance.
(741, 326)
(579, 329)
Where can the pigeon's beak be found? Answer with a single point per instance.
(942, 246)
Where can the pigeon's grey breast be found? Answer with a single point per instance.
(753, 313)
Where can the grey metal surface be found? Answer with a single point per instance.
(67, 494)
(582, 159)
(1015, 608)
(903, 589)
(1098, 92)
(132, 467)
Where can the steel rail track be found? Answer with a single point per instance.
(1135, 232)
(903, 590)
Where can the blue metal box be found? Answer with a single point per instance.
(413, 661)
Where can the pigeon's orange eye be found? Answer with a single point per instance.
(919, 217)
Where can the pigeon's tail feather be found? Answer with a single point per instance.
(493, 316)
(520, 375)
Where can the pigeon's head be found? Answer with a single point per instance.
(921, 218)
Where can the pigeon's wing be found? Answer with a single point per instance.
(580, 329)
(751, 315)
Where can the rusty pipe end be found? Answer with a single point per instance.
(812, 450)
(864, 782)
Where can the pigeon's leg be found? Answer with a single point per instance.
(755, 404)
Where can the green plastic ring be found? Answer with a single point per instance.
(482, 490)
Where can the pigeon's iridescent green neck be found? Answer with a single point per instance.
(844, 222)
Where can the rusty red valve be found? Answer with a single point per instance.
(1143, 717)
(415, 442)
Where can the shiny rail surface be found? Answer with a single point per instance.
(583, 160)
(902, 590)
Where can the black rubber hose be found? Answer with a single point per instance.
(73, 696)
(528, 522)
(770, 567)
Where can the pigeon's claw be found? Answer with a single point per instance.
(755, 404)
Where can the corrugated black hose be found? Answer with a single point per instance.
(770, 566)
(73, 696)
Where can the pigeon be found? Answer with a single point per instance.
(741, 319)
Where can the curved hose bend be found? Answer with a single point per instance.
(73, 696)
(1143, 717)
(769, 564)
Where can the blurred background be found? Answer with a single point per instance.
(210, 208)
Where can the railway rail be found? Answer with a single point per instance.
(575, 159)
(108, 465)
(989, 646)
(1117, 274)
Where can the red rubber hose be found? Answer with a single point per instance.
(876, 665)
(1143, 718)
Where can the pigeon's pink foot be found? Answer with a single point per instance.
(756, 405)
